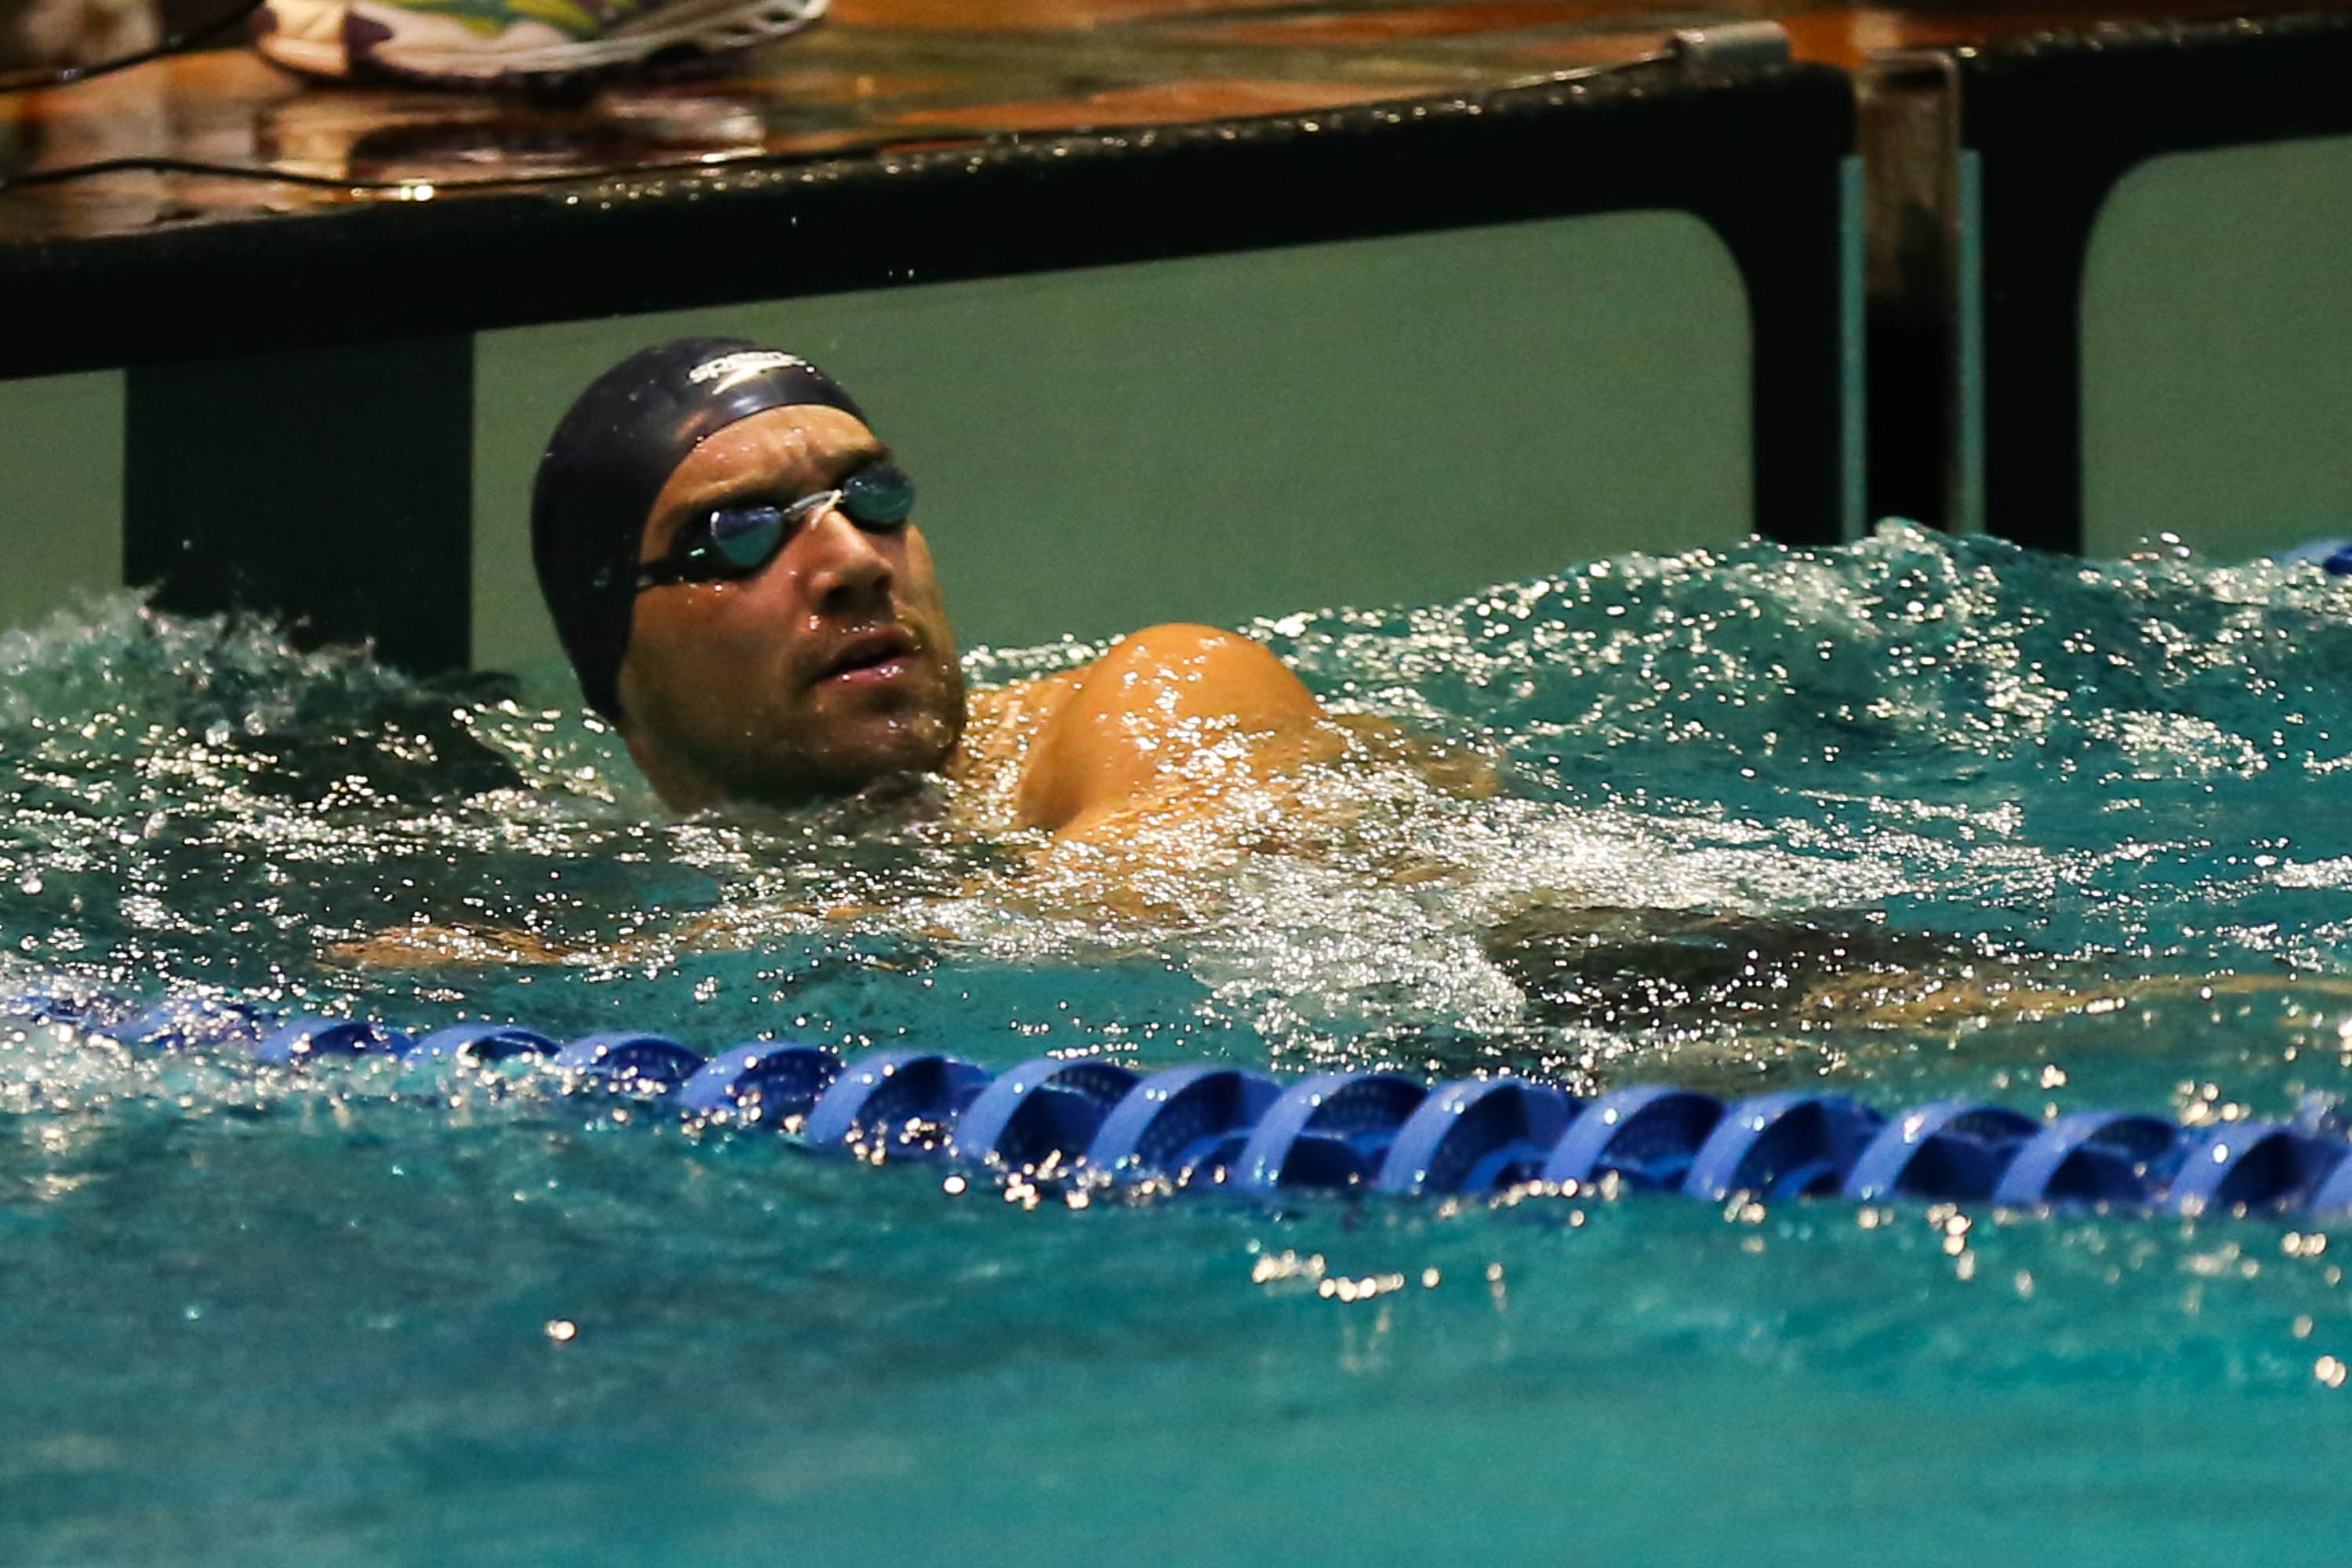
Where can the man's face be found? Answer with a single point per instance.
(831, 667)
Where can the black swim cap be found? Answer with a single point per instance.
(610, 458)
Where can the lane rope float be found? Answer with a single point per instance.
(1216, 1126)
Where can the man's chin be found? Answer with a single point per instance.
(884, 746)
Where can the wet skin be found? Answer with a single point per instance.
(830, 668)
(834, 666)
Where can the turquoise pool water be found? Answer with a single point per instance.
(364, 1315)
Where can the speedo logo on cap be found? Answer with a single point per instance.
(736, 367)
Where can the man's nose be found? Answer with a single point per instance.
(847, 572)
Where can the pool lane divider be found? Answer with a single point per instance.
(1217, 1126)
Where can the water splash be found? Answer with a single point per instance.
(2111, 762)
(359, 1292)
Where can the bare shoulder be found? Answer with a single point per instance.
(1019, 707)
(1158, 719)
(1176, 640)
(1196, 670)
(1000, 725)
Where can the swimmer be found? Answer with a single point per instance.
(731, 557)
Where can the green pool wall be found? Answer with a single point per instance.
(60, 491)
(2217, 351)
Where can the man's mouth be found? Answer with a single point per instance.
(871, 657)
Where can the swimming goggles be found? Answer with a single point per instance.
(739, 540)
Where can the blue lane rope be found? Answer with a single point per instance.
(1213, 1126)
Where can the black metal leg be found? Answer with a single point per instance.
(330, 488)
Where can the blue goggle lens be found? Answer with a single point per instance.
(879, 497)
(746, 535)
